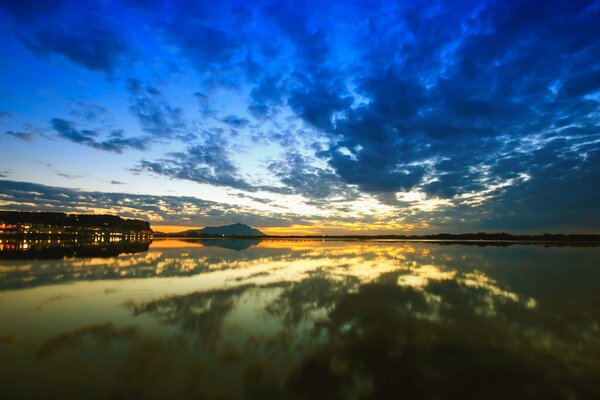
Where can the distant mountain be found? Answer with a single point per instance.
(226, 230)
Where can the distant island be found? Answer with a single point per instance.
(225, 230)
(86, 226)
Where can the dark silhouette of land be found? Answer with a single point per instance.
(20, 224)
(225, 230)
(441, 237)
(44, 224)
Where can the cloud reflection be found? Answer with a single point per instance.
(339, 320)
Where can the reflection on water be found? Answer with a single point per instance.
(303, 319)
(71, 247)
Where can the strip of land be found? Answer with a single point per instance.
(18, 224)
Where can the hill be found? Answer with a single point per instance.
(225, 230)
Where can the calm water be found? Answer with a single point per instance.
(299, 319)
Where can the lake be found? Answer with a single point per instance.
(306, 319)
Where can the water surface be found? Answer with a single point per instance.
(280, 319)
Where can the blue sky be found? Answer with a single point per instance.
(305, 117)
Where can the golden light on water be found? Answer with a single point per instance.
(223, 304)
(173, 244)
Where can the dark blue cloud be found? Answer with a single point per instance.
(582, 83)
(115, 142)
(91, 47)
(453, 83)
(89, 112)
(560, 190)
(211, 37)
(235, 121)
(205, 162)
(208, 161)
(298, 173)
(25, 136)
(266, 96)
(155, 115)
(79, 32)
(32, 9)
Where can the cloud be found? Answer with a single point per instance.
(80, 34)
(298, 173)
(93, 48)
(90, 112)
(24, 136)
(155, 115)
(582, 83)
(214, 41)
(206, 162)
(205, 108)
(267, 96)
(32, 9)
(235, 121)
(68, 176)
(157, 118)
(165, 210)
(115, 142)
(433, 100)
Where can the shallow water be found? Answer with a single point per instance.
(299, 319)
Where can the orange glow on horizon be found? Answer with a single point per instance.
(318, 230)
(172, 228)
(293, 230)
(345, 229)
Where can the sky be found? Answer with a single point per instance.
(320, 117)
